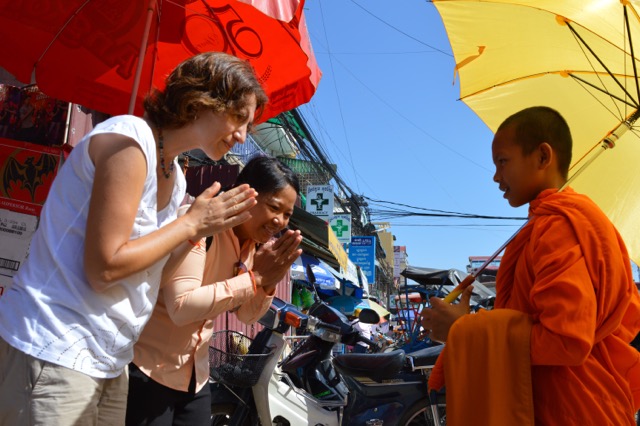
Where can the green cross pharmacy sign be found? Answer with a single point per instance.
(320, 200)
(341, 225)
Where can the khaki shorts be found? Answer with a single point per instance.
(35, 392)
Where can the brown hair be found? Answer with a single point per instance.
(210, 80)
(268, 175)
(539, 124)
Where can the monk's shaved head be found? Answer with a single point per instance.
(539, 124)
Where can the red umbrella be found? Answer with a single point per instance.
(107, 54)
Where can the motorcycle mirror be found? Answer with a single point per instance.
(312, 279)
(369, 316)
(310, 275)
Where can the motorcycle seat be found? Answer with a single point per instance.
(376, 367)
(425, 357)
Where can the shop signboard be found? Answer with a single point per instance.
(341, 225)
(399, 260)
(320, 200)
(362, 252)
(16, 230)
(27, 114)
(27, 171)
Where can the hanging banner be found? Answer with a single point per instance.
(362, 252)
(341, 225)
(320, 200)
(16, 230)
(336, 249)
(27, 114)
(27, 171)
(399, 260)
(323, 276)
(352, 274)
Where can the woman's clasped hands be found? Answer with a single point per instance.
(213, 212)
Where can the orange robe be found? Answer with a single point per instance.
(569, 271)
(486, 363)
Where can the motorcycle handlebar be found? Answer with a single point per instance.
(290, 316)
(328, 326)
(373, 345)
(315, 323)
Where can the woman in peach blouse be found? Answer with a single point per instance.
(238, 272)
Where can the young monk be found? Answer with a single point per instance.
(566, 305)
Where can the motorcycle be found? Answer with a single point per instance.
(309, 386)
(383, 341)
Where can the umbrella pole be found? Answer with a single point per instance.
(143, 49)
(453, 295)
(607, 143)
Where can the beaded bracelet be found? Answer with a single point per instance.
(253, 281)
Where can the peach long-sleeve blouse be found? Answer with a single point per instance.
(177, 336)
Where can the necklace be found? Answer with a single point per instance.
(161, 149)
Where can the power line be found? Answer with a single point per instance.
(451, 225)
(398, 212)
(335, 86)
(402, 32)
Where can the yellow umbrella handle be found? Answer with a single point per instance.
(459, 288)
(471, 278)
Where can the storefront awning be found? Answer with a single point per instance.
(324, 276)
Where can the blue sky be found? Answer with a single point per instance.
(387, 113)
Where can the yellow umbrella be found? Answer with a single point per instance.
(368, 303)
(579, 57)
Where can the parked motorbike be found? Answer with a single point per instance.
(310, 386)
(383, 341)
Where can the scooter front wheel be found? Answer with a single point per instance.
(221, 415)
(420, 414)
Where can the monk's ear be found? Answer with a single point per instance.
(545, 155)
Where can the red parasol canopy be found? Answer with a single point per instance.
(98, 53)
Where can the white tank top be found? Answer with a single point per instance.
(50, 311)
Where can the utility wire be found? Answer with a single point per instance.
(402, 32)
(451, 225)
(335, 86)
(394, 214)
(433, 212)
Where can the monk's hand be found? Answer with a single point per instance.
(438, 319)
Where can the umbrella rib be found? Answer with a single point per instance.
(635, 132)
(575, 33)
(603, 91)
(53, 40)
(152, 5)
(536, 75)
(633, 60)
(597, 74)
